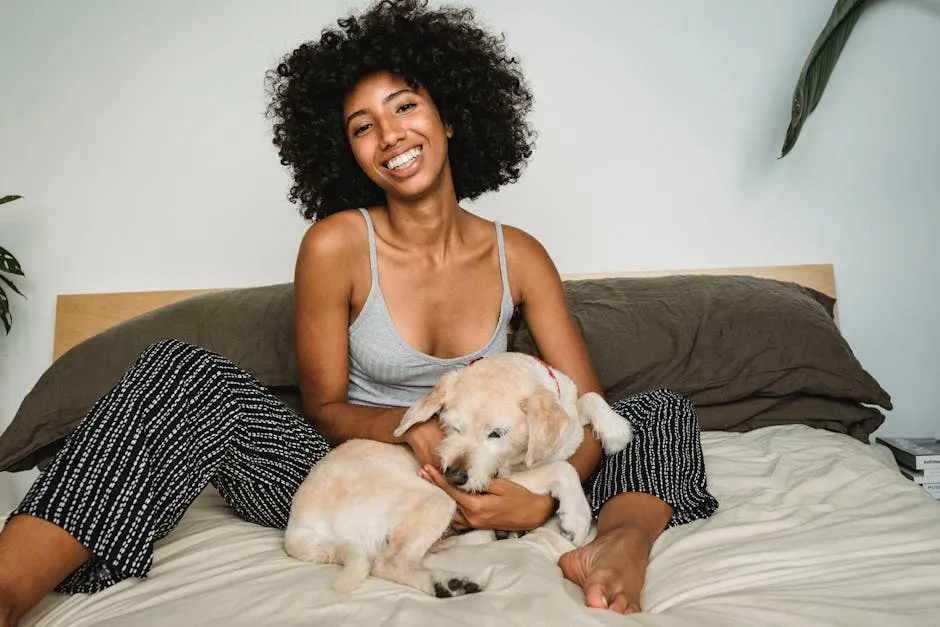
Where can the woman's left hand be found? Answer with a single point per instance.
(505, 505)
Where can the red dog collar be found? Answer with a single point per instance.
(551, 371)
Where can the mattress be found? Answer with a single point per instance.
(814, 528)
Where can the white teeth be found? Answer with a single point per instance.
(403, 159)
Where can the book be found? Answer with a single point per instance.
(915, 453)
(920, 477)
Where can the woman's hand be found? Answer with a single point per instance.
(423, 439)
(505, 505)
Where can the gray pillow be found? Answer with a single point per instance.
(252, 327)
(721, 341)
(849, 417)
(718, 340)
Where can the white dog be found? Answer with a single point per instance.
(509, 415)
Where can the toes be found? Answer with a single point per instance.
(603, 592)
(621, 604)
(594, 596)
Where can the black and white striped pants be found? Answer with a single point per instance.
(183, 417)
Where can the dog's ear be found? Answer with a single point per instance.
(547, 421)
(428, 406)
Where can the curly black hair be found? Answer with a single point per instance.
(477, 86)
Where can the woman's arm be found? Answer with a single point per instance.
(323, 282)
(538, 289)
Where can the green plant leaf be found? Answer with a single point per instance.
(819, 65)
(5, 314)
(12, 286)
(8, 263)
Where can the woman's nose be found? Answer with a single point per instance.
(392, 131)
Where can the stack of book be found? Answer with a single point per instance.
(918, 460)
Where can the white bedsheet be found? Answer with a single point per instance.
(813, 529)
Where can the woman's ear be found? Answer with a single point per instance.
(449, 130)
(428, 406)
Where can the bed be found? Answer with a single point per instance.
(815, 525)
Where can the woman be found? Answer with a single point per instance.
(386, 123)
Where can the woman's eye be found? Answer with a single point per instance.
(495, 433)
(406, 107)
(361, 129)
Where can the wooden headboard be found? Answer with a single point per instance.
(80, 316)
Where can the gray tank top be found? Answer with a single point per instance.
(386, 371)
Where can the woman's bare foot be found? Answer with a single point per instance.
(611, 569)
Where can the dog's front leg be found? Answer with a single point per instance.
(561, 481)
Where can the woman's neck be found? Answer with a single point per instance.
(430, 224)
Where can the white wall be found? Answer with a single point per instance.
(135, 132)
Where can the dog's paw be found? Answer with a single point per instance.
(456, 587)
(617, 435)
(575, 524)
(613, 430)
(508, 535)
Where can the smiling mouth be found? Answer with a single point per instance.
(403, 160)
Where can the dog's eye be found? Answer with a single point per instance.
(495, 433)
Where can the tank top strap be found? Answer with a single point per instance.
(373, 263)
(504, 272)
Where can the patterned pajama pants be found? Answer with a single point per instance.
(183, 417)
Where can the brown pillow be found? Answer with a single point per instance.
(714, 339)
(253, 327)
(850, 418)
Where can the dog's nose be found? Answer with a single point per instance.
(457, 476)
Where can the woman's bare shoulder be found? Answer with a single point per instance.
(529, 265)
(337, 237)
(523, 249)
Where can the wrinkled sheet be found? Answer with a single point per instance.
(814, 528)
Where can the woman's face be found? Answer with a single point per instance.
(397, 135)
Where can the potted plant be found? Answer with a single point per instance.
(8, 265)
